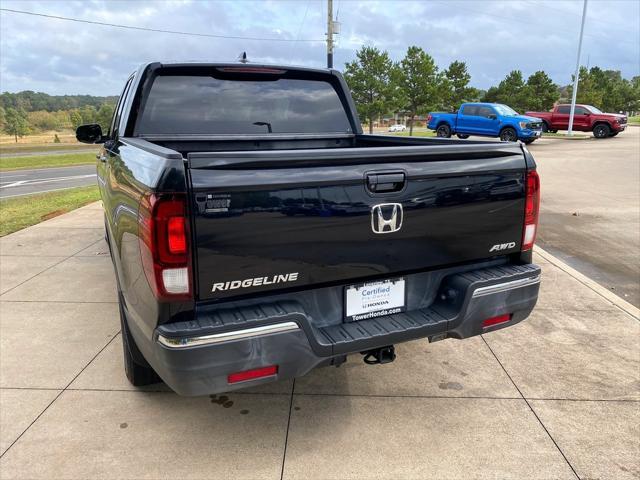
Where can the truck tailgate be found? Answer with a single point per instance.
(298, 222)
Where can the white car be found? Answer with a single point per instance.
(397, 128)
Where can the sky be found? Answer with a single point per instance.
(492, 37)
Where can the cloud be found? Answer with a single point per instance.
(493, 37)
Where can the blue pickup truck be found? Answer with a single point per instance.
(488, 120)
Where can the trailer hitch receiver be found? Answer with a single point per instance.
(380, 355)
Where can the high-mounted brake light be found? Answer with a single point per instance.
(531, 210)
(164, 241)
(252, 374)
(273, 71)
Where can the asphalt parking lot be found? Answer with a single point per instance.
(591, 207)
(557, 396)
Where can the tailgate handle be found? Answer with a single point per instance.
(385, 182)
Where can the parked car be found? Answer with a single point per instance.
(586, 118)
(486, 119)
(233, 267)
(397, 128)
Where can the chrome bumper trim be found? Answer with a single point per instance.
(503, 287)
(185, 342)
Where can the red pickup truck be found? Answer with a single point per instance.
(586, 118)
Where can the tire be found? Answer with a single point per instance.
(601, 130)
(553, 131)
(545, 127)
(138, 371)
(508, 135)
(613, 134)
(462, 136)
(443, 131)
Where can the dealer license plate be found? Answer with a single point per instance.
(374, 299)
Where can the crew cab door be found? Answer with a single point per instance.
(489, 121)
(560, 117)
(467, 117)
(581, 119)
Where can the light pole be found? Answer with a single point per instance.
(329, 33)
(577, 75)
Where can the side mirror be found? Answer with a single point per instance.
(492, 116)
(91, 133)
(586, 113)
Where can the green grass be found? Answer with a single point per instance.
(45, 147)
(635, 120)
(21, 212)
(46, 161)
(575, 136)
(416, 133)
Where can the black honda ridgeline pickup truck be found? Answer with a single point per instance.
(256, 233)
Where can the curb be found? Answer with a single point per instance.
(593, 285)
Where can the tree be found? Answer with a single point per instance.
(75, 118)
(456, 83)
(416, 77)
(2, 118)
(541, 92)
(104, 116)
(369, 80)
(89, 114)
(16, 123)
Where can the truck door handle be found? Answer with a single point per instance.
(385, 182)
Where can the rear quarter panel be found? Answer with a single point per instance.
(132, 173)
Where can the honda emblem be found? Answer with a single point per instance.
(386, 217)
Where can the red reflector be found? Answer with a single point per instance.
(252, 374)
(177, 235)
(490, 322)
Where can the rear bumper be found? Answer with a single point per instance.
(195, 358)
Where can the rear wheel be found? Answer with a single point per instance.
(508, 135)
(463, 136)
(545, 127)
(601, 130)
(443, 131)
(138, 371)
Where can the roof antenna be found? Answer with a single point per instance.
(242, 58)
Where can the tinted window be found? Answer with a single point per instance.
(564, 109)
(581, 111)
(117, 112)
(207, 105)
(470, 110)
(485, 111)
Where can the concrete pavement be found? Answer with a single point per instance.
(590, 213)
(557, 396)
(16, 183)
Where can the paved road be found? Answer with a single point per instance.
(591, 207)
(49, 152)
(17, 183)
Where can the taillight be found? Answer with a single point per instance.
(531, 210)
(429, 117)
(164, 245)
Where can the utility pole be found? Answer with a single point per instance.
(329, 33)
(577, 75)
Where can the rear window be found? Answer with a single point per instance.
(207, 105)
